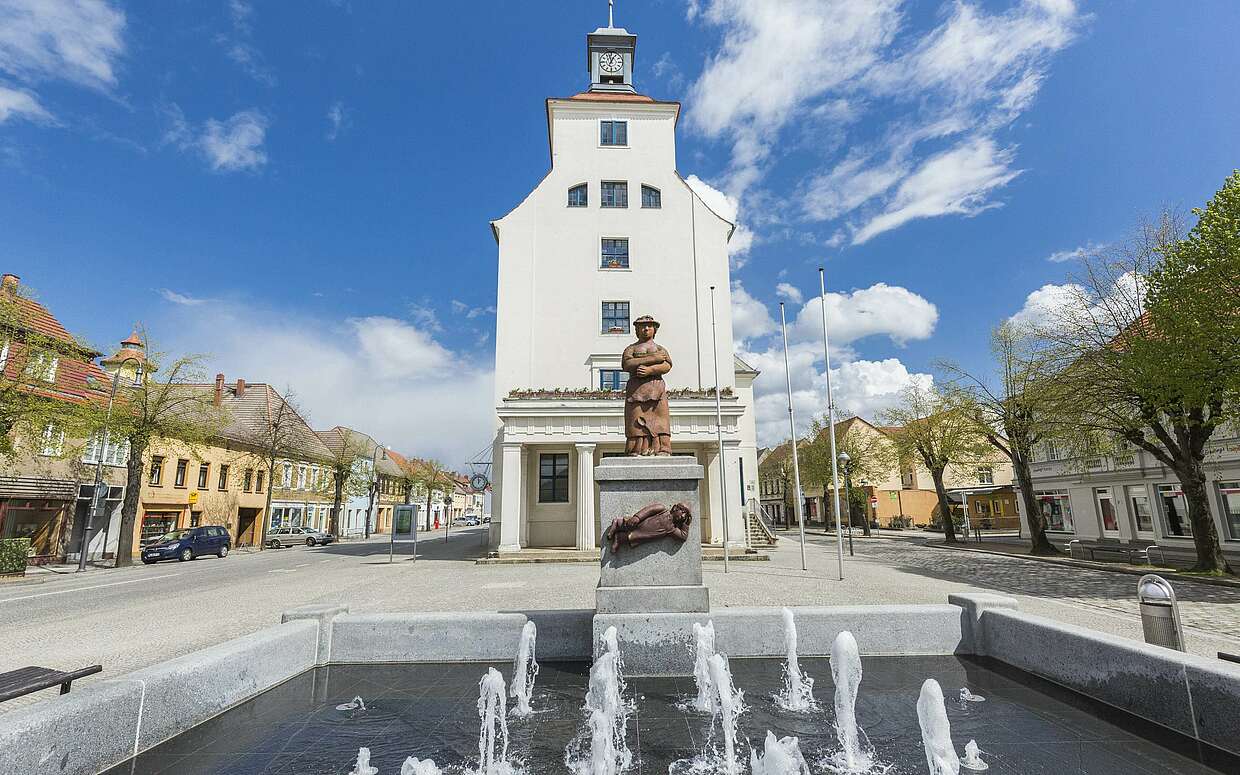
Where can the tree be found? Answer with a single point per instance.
(1148, 351)
(870, 456)
(431, 475)
(935, 427)
(279, 434)
(347, 449)
(172, 407)
(1016, 412)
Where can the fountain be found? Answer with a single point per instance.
(779, 757)
(729, 705)
(524, 671)
(704, 635)
(797, 695)
(936, 731)
(605, 731)
(853, 755)
(972, 758)
(415, 766)
(493, 712)
(363, 763)
(968, 696)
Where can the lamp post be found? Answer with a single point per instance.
(96, 502)
(845, 461)
(374, 485)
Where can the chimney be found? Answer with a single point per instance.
(240, 387)
(9, 283)
(219, 389)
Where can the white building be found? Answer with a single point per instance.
(1131, 496)
(612, 232)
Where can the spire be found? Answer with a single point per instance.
(610, 8)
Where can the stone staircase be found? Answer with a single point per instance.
(760, 536)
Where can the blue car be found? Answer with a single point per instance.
(188, 543)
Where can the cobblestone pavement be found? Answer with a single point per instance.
(1213, 610)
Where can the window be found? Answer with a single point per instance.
(1052, 451)
(1175, 511)
(287, 480)
(615, 194)
(613, 133)
(997, 507)
(615, 253)
(223, 483)
(615, 317)
(985, 475)
(651, 198)
(258, 487)
(204, 473)
(314, 478)
(52, 442)
(612, 379)
(1142, 514)
(157, 470)
(553, 478)
(301, 477)
(179, 479)
(1056, 509)
(195, 518)
(4, 355)
(578, 196)
(1106, 510)
(1229, 495)
(114, 453)
(43, 366)
(247, 480)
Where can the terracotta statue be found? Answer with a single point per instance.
(653, 521)
(647, 419)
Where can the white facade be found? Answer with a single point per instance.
(1131, 496)
(550, 333)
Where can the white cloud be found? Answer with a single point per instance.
(18, 103)
(384, 376)
(790, 292)
(834, 62)
(239, 46)
(728, 208)
(461, 308)
(1072, 304)
(180, 298)
(1047, 303)
(425, 316)
(750, 317)
(232, 145)
(957, 181)
(337, 120)
(1060, 256)
(880, 310)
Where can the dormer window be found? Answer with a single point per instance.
(613, 133)
(651, 198)
(578, 196)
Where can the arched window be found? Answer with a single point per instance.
(577, 196)
(651, 197)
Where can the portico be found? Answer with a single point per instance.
(540, 434)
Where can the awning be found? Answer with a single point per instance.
(37, 489)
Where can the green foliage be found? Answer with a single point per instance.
(13, 554)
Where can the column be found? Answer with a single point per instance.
(714, 493)
(510, 498)
(586, 538)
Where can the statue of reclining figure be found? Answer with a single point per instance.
(653, 521)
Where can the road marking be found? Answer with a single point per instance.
(83, 589)
(282, 570)
(301, 565)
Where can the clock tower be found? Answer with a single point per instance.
(609, 58)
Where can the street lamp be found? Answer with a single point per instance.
(97, 503)
(845, 463)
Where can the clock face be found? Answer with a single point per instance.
(611, 62)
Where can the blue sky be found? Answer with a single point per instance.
(302, 190)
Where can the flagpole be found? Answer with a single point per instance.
(723, 471)
(792, 426)
(835, 477)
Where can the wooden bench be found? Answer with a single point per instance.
(1139, 551)
(27, 680)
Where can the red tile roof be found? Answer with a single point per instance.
(603, 96)
(77, 378)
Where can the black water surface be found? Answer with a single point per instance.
(1025, 726)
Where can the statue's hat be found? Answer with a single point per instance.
(646, 319)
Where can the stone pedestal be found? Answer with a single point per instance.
(663, 575)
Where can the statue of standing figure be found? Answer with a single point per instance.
(647, 418)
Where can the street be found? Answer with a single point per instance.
(125, 619)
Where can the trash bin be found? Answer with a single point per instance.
(1160, 614)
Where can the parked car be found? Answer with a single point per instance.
(472, 522)
(292, 536)
(188, 543)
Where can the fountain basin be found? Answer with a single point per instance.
(107, 721)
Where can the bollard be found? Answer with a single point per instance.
(1160, 614)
